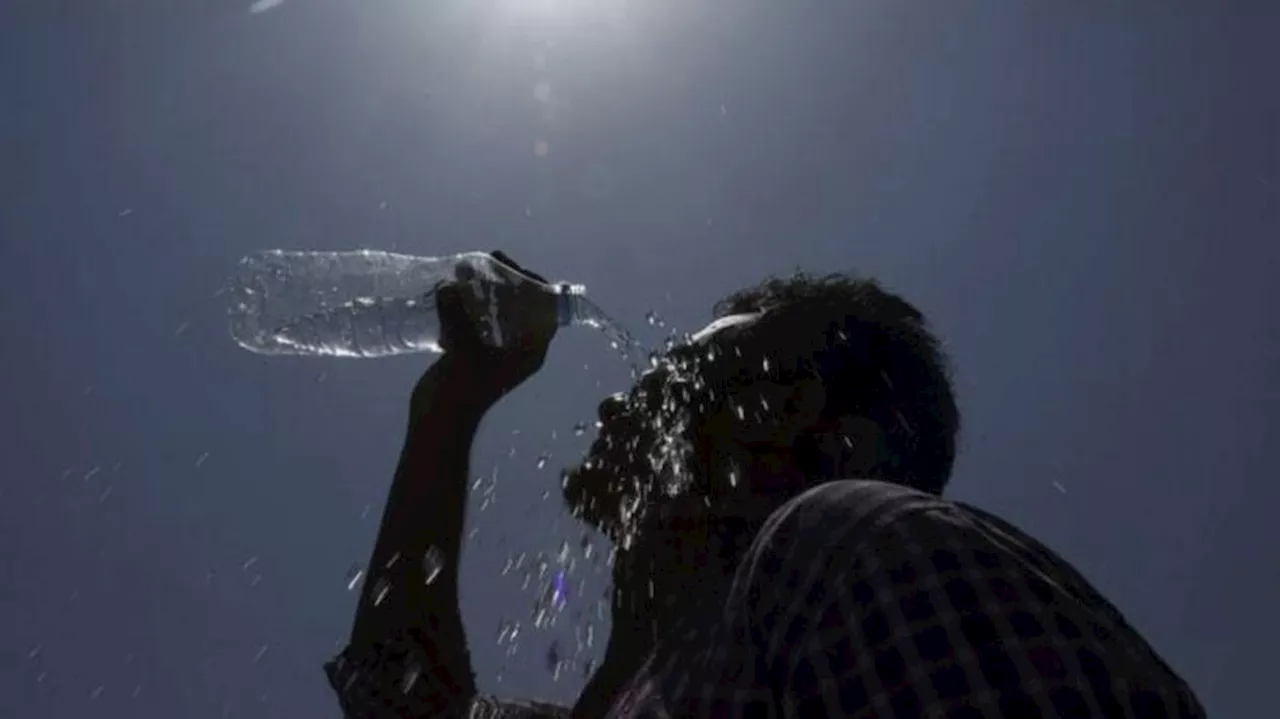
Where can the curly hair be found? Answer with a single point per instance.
(877, 359)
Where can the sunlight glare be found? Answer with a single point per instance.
(547, 10)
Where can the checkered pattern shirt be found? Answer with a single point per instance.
(856, 599)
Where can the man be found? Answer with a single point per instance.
(754, 577)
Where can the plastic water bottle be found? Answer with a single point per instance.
(368, 303)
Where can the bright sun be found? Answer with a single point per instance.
(547, 9)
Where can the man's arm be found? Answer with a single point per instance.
(425, 511)
(408, 655)
(930, 610)
(404, 624)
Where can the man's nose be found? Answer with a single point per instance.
(611, 407)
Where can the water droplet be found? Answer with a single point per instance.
(262, 652)
(508, 631)
(1058, 486)
(96, 693)
(765, 364)
(261, 6)
(380, 591)
(411, 675)
(580, 429)
(125, 212)
(204, 457)
(432, 563)
(353, 576)
(35, 651)
(553, 658)
(244, 567)
(559, 588)
(92, 473)
(542, 461)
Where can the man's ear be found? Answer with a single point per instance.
(854, 444)
(806, 401)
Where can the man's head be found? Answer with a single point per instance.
(799, 381)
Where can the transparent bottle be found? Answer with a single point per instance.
(369, 303)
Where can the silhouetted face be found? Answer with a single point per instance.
(715, 421)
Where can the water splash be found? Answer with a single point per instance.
(262, 6)
(354, 575)
(432, 563)
(620, 339)
(554, 659)
(380, 591)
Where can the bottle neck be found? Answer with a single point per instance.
(569, 308)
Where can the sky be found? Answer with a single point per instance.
(1084, 198)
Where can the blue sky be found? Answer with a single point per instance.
(1084, 200)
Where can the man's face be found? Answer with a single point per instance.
(717, 418)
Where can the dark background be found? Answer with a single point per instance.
(1083, 196)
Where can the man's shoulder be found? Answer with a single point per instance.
(852, 562)
(844, 512)
(820, 535)
(839, 521)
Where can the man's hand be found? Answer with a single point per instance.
(526, 318)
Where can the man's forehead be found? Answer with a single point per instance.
(731, 324)
(738, 321)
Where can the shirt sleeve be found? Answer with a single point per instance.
(395, 680)
(929, 614)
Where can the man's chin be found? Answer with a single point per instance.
(596, 496)
(585, 494)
